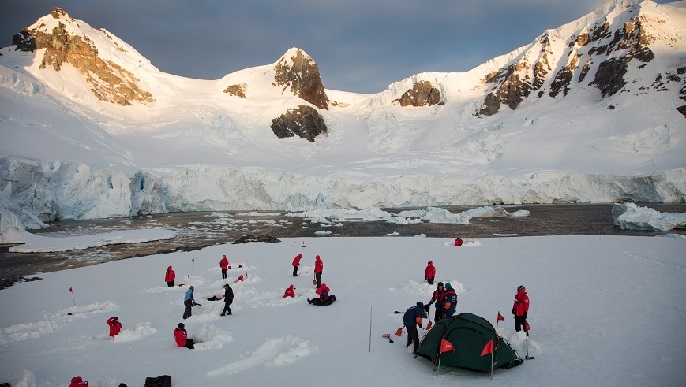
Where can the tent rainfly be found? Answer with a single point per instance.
(459, 341)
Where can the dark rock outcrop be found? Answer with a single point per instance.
(261, 238)
(299, 72)
(609, 78)
(423, 93)
(304, 122)
(237, 90)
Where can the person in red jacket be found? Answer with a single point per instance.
(169, 277)
(290, 292)
(520, 309)
(430, 272)
(296, 263)
(181, 337)
(324, 297)
(115, 326)
(77, 381)
(318, 269)
(437, 297)
(224, 264)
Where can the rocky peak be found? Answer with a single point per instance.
(605, 49)
(65, 42)
(297, 70)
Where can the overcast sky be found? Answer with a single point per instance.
(359, 45)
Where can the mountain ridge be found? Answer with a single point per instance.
(432, 138)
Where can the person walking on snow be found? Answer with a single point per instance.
(437, 297)
(449, 301)
(296, 263)
(189, 302)
(430, 272)
(318, 269)
(181, 337)
(411, 319)
(290, 292)
(520, 309)
(224, 264)
(115, 326)
(228, 299)
(169, 277)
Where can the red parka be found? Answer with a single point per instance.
(180, 336)
(521, 303)
(290, 292)
(115, 326)
(318, 265)
(77, 381)
(224, 263)
(296, 260)
(430, 271)
(169, 277)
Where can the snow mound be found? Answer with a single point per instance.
(629, 216)
(272, 353)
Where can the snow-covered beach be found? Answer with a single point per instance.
(605, 310)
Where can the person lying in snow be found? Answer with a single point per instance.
(324, 297)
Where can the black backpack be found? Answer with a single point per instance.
(158, 381)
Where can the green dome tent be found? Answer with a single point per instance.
(469, 335)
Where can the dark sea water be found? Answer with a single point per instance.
(197, 230)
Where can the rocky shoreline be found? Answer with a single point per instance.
(198, 230)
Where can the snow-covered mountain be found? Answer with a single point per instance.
(593, 111)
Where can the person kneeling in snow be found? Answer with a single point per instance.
(290, 292)
(181, 337)
(115, 326)
(77, 381)
(324, 297)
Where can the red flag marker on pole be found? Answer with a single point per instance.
(488, 348)
(193, 260)
(498, 319)
(71, 290)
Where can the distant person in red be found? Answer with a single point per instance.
(115, 326)
(224, 264)
(77, 381)
(520, 309)
(290, 292)
(318, 269)
(296, 263)
(169, 277)
(181, 337)
(458, 241)
(430, 272)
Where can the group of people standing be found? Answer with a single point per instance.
(446, 303)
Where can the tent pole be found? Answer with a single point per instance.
(492, 365)
(370, 328)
